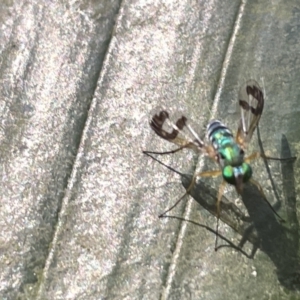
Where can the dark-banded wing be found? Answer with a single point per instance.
(251, 102)
(179, 133)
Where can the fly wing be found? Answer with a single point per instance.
(179, 133)
(251, 102)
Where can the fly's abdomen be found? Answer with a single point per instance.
(219, 135)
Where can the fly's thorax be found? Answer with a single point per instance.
(231, 154)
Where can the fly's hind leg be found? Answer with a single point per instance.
(261, 155)
(256, 155)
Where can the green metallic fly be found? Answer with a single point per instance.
(225, 149)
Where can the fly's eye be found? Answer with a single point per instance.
(228, 175)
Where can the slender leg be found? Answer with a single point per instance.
(256, 155)
(202, 174)
(209, 150)
(167, 152)
(265, 198)
(220, 194)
